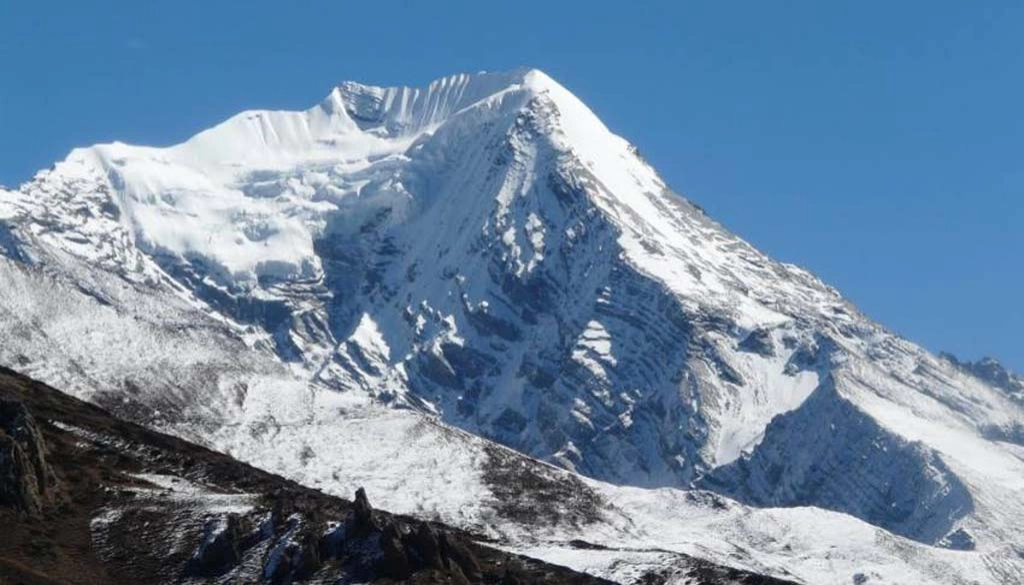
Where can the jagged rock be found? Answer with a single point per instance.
(293, 560)
(307, 559)
(457, 553)
(224, 541)
(362, 514)
(18, 486)
(424, 545)
(394, 562)
(959, 539)
(27, 482)
(332, 542)
(759, 341)
(407, 551)
(991, 371)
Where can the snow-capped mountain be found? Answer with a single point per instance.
(330, 294)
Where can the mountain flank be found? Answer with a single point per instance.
(88, 498)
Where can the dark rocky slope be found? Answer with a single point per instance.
(88, 498)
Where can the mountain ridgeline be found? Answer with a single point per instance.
(485, 257)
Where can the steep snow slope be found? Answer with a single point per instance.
(473, 227)
(484, 250)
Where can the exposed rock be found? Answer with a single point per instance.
(424, 545)
(18, 486)
(294, 559)
(27, 483)
(394, 560)
(362, 514)
(224, 541)
(307, 559)
(456, 553)
(759, 341)
(539, 495)
(959, 539)
(137, 496)
(405, 551)
(841, 472)
(991, 371)
(333, 541)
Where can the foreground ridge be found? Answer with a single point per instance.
(149, 508)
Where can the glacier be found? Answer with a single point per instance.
(386, 287)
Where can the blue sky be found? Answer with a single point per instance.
(876, 143)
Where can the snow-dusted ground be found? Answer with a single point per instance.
(410, 464)
(347, 295)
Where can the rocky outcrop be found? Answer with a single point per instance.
(362, 514)
(758, 341)
(225, 539)
(992, 372)
(27, 482)
(293, 559)
(408, 547)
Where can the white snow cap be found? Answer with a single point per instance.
(248, 196)
(407, 109)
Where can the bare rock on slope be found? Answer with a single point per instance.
(27, 482)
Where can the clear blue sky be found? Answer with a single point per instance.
(877, 143)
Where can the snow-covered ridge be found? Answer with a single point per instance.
(354, 121)
(408, 110)
(219, 197)
(485, 250)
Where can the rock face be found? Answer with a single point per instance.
(910, 490)
(407, 548)
(992, 372)
(27, 482)
(759, 341)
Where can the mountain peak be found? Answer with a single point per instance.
(484, 250)
(481, 82)
(401, 110)
(355, 121)
(250, 194)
